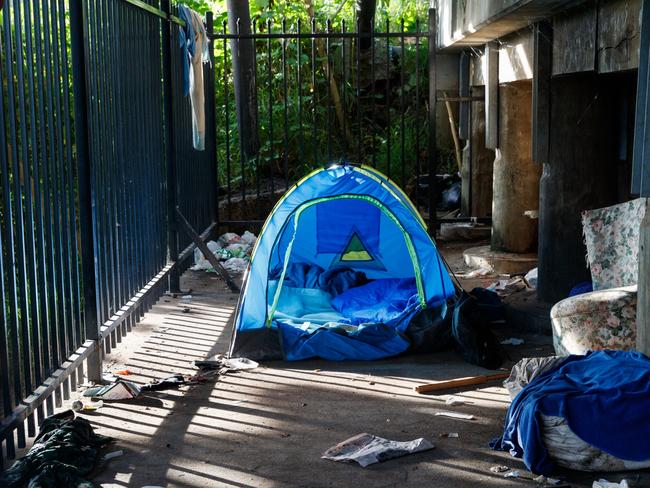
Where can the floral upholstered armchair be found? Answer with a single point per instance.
(606, 317)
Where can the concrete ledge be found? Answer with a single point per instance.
(500, 262)
(464, 232)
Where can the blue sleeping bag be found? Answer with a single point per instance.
(381, 301)
(604, 397)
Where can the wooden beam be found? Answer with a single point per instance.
(464, 96)
(457, 383)
(542, 67)
(492, 96)
(206, 252)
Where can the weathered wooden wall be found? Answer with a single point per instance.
(603, 37)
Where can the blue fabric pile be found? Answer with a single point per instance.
(339, 314)
(604, 397)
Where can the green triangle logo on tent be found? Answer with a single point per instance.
(355, 250)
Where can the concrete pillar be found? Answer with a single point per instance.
(580, 174)
(516, 176)
(477, 164)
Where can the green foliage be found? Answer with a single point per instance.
(305, 131)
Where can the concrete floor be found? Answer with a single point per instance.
(268, 427)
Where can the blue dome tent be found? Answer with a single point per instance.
(342, 265)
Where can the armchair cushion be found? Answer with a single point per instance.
(612, 240)
(604, 319)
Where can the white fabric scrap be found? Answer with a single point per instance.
(603, 483)
(455, 415)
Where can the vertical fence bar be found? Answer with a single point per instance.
(299, 81)
(373, 102)
(87, 202)
(433, 150)
(170, 156)
(402, 106)
(358, 91)
(344, 82)
(418, 168)
(387, 101)
(285, 99)
(211, 126)
(6, 332)
(329, 90)
(269, 61)
(313, 91)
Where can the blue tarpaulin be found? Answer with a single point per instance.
(604, 397)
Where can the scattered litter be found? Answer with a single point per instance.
(455, 415)
(513, 341)
(507, 287)
(532, 214)
(367, 449)
(77, 405)
(236, 265)
(531, 278)
(547, 481)
(170, 382)
(603, 483)
(449, 435)
(478, 272)
(92, 406)
(220, 361)
(111, 455)
(512, 474)
(109, 377)
(202, 264)
(186, 297)
(120, 390)
(231, 248)
(186, 310)
(454, 401)
(500, 468)
(124, 372)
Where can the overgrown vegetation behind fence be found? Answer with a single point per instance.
(323, 94)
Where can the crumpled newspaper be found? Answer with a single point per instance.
(366, 449)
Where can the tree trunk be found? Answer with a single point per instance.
(366, 15)
(243, 65)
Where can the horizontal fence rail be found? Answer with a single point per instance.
(95, 148)
(320, 94)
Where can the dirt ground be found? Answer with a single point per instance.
(268, 427)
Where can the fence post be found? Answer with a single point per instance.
(86, 194)
(170, 148)
(432, 144)
(211, 118)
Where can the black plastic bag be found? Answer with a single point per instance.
(430, 330)
(474, 314)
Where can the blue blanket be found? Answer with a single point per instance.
(365, 343)
(382, 301)
(605, 398)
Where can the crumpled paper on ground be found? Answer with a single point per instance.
(366, 449)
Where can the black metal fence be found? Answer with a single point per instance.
(95, 155)
(322, 94)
